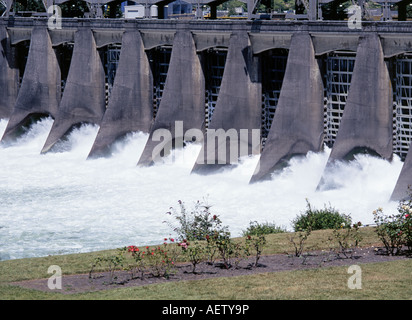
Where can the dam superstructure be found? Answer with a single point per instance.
(302, 84)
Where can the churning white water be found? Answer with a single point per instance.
(60, 202)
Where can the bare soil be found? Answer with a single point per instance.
(271, 263)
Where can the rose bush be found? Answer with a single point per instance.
(395, 231)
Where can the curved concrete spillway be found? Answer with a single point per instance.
(298, 126)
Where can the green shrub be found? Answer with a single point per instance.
(255, 244)
(194, 251)
(317, 219)
(389, 231)
(109, 263)
(196, 223)
(228, 250)
(348, 238)
(302, 235)
(255, 229)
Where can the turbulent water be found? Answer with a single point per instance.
(60, 202)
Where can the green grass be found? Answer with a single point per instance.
(389, 280)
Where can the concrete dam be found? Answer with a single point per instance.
(276, 88)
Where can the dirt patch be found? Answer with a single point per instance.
(272, 263)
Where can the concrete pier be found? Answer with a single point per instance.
(130, 107)
(9, 75)
(83, 99)
(183, 102)
(297, 127)
(368, 115)
(238, 108)
(40, 90)
(403, 185)
(367, 122)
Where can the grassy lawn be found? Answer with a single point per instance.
(389, 280)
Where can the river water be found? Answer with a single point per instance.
(60, 202)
